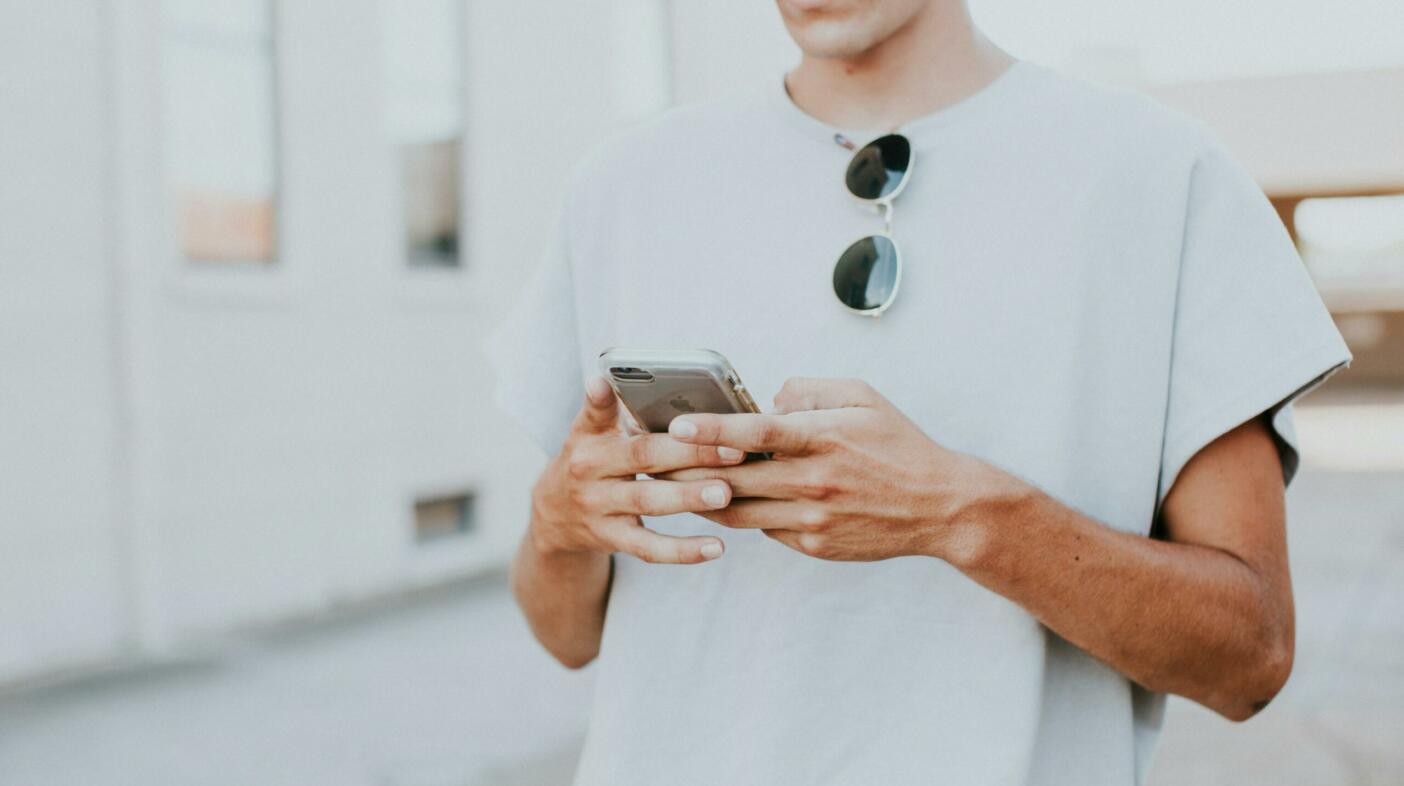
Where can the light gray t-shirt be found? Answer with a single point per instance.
(1093, 291)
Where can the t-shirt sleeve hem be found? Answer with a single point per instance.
(546, 430)
(1280, 386)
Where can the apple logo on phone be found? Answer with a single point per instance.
(682, 405)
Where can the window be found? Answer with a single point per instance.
(424, 123)
(436, 518)
(221, 128)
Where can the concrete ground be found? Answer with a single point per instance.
(448, 689)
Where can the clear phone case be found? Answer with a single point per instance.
(657, 385)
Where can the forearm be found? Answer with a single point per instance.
(1178, 618)
(563, 596)
(1207, 615)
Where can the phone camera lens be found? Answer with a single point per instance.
(630, 374)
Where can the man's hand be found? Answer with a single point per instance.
(1207, 615)
(852, 478)
(589, 500)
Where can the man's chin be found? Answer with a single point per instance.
(801, 8)
(831, 45)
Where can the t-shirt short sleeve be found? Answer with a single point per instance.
(534, 351)
(1250, 332)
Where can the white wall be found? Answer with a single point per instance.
(299, 420)
(721, 46)
(187, 449)
(60, 598)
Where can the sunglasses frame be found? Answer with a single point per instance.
(884, 205)
(885, 200)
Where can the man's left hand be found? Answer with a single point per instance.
(851, 477)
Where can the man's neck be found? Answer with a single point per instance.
(936, 60)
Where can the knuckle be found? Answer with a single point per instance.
(662, 550)
(641, 451)
(816, 485)
(795, 395)
(637, 497)
(767, 432)
(598, 532)
(813, 545)
(645, 502)
(813, 519)
(587, 497)
(576, 494)
(581, 463)
(824, 438)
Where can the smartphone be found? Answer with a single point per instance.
(657, 385)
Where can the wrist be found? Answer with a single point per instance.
(985, 505)
(544, 529)
(543, 540)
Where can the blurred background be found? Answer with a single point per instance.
(255, 507)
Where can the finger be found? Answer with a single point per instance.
(752, 433)
(771, 479)
(801, 394)
(664, 497)
(766, 514)
(655, 453)
(600, 413)
(789, 538)
(649, 546)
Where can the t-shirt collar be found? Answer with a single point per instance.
(919, 130)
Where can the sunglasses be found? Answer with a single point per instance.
(867, 275)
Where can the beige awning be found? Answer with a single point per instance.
(1308, 135)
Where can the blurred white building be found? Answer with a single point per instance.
(239, 373)
(247, 250)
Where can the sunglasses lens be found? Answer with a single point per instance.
(865, 277)
(879, 167)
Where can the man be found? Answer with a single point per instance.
(1044, 490)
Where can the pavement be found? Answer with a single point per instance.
(448, 688)
(442, 689)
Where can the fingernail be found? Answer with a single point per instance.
(730, 454)
(597, 388)
(685, 429)
(714, 496)
(712, 550)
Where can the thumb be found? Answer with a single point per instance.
(600, 413)
(802, 394)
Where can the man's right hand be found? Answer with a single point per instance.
(589, 500)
